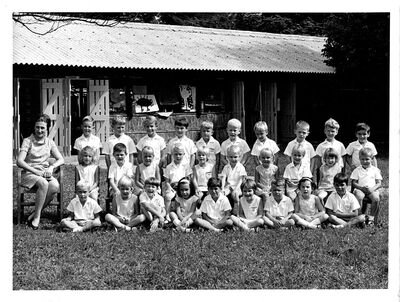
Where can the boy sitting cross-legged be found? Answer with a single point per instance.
(83, 210)
(342, 206)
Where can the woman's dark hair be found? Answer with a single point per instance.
(182, 181)
(45, 119)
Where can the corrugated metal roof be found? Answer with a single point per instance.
(153, 46)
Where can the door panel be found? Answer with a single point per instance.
(99, 106)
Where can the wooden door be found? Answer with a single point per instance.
(269, 107)
(99, 108)
(238, 110)
(55, 103)
(16, 118)
(287, 114)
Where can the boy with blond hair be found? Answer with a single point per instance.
(233, 128)
(119, 136)
(151, 139)
(261, 131)
(209, 142)
(331, 130)
(302, 130)
(366, 181)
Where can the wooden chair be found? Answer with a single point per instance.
(57, 201)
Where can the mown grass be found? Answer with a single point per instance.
(284, 259)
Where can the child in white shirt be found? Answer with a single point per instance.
(261, 131)
(327, 172)
(233, 128)
(250, 208)
(366, 181)
(125, 213)
(88, 139)
(295, 171)
(208, 141)
(232, 176)
(148, 168)
(265, 173)
(353, 149)
(88, 171)
(152, 139)
(84, 212)
(202, 172)
(119, 167)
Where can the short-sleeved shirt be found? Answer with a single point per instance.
(124, 139)
(336, 145)
(87, 173)
(37, 154)
(310, 152)
(308, 206)
(250, 210)
(281, 209)
(116, 172)
(215, 209)
(268, 143)
(346, 204)
(294, 174)
(244, 147)
(91, 141)
(86, 212)
(157, 200)
(203, 174)
(185, 204)
(156, 142)
(327, 174)
(126, 208)
(366, 177)
(233, 176)
(353, 149)
(175, 172)
(267, 175)
(188, 145)
(147, 171)
(213, 145)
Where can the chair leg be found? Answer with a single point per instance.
(20, 208)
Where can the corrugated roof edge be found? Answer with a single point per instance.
(194, 69)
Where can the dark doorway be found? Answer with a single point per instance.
(79, 109)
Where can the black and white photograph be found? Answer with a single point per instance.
(221, 153)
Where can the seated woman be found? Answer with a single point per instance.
(37, 172)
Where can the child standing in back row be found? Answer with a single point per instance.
(302, 131)
(353, 149)
(331, 130)
(261, 131)
(181, 127)
(119, 136)
(208, 141)
(233, 128)
(152, 139)
(88, 139)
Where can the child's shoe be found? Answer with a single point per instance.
(77, 230)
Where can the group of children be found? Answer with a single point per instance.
(206, 183)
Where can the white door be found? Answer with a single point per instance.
(99, 106)
(55, 103)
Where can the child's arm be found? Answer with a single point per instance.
(287, 217)
(275, 221)
(192, 158)
(213, 171)
(113, 185)
(194, 180)
(138, 180)
(320, 207)
(245, 157)
(223, 160)
(77, 177)
(378, 184)
(208, 218)
(157, 174)
(217, 163)
(260, 210)
(136, 208)
(349, 161)
(344, 163)
(256, 160)
(315, 164)
(354, 183)
(257, 180)
(114, 206)
(352, 214)
(96, 179)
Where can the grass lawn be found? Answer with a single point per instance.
(270, 259)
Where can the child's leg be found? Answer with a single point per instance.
(144, 211)
(237, 222)
(115, 221)
(225, 223)
(356, 220)
(154, 225)
(168, 199)
(71, 224)
(137, 220)
(360, 196)
(375, 200)
(254, 223)
(336, 220)
(175, 220)
(91, 224)
(320, 219)
(300, 221)
(205, 224)
(268, 222)
(289, 223)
